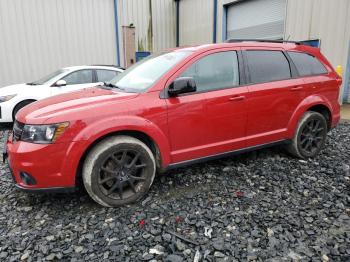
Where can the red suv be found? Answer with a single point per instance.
(173, 109)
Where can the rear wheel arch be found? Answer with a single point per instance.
(323, 110)
(19, 105)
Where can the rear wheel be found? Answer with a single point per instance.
(118, 171)
(310, 135)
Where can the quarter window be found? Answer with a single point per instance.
(267, 66)
(307, 64)
(105, 75)
(215, 71)
(79, 77)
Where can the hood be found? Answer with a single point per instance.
(16, 89)
(63, 107)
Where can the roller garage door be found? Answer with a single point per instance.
(258, 19)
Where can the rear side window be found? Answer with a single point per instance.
(267, 66)
(105, 75)
(307, 64)
(215, 71)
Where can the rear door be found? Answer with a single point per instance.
(273, 94)
(211, 120)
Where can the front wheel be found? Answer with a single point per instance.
(310, 136)
(118, 171)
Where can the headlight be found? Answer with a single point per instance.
(43, 134)
(6, 98)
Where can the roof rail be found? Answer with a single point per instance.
(261, 40)
(116, 66)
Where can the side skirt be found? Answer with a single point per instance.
(225, 154)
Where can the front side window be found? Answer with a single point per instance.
(145, 73)
(215, 71)
(105, 75)
(267, 66)
(79, 77)
(307, 64)
(47, 78)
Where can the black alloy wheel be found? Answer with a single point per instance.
(122, 174)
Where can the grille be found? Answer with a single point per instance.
(17, 130)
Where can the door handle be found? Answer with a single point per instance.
(237, 98)
(297, 88)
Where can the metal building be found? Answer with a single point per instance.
(325, 21)
(40, 36)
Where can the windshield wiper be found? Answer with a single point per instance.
(108, 84)
(32, 84)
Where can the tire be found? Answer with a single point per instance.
(20, 106)
(108, 171)
(309, 137)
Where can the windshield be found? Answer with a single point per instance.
(145, 73)
(45, 79)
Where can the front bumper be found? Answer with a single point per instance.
(50, 166)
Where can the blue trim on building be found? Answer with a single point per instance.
(215, 19)
(224, 23)
(346, 79)
(117, 30)
(177, 22)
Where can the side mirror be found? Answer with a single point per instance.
(182, 85)
(61, 83)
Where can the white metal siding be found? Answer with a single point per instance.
(164, 24)
(257, 19)
(325, 20)
(196, 22)
(40, 36)
(155, 36)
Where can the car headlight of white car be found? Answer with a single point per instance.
(6, 98)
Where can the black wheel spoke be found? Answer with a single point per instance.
(105, 169)
(106, 180)
(120, 190)
(123, 158)
(317, 124)
(138, 178)
(132, 186)
(114, 187)
(134, 160)
(140, 166)
(302, 141)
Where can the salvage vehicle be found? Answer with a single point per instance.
(15, 97)
(173, 109)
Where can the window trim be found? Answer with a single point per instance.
(241, 81)
(293, 73)
(300, 52)
(91, 69)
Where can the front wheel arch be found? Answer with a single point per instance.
(143, 137)
(20, 105)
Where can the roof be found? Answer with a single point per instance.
(110, 67)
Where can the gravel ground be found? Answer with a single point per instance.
(263, 206)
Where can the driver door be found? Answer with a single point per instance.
(75, 81)
(211, 120)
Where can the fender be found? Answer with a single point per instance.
(98, 129)
(308, 102)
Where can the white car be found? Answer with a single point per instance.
(14, 97)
